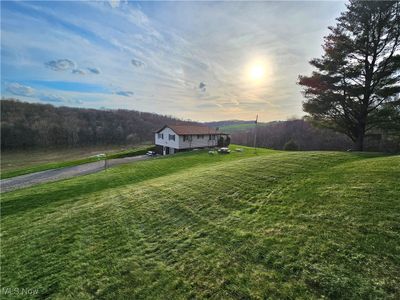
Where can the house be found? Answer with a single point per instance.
(175, 138)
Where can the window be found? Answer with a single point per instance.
(161, 136)
(187, 138)
(171, 137)
(211, 137)
(200, 136)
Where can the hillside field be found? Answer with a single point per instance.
(16, 163)
(237, 127)
(270, 225)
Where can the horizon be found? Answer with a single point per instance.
(111, 109)
(203, 61)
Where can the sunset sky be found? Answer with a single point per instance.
(194, 60)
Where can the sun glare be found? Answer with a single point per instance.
(257, 72)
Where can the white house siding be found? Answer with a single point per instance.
(165, 141)
(197, 142)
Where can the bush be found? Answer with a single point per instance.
(291, 146)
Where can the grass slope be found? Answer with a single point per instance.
(273, 225)
(27, 169)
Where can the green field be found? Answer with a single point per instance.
(271, 225)
(15, 163)
(237, 127)
(240, 127)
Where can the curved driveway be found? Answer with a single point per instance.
(22, 181)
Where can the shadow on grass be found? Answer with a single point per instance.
(74, 189)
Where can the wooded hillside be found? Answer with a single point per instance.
(305, 136)
(29, 125)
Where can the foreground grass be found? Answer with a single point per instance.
(39, 160)
(272, 225)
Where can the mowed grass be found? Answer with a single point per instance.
(25, 162)
(240, 226)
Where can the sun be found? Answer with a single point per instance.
(257, 72)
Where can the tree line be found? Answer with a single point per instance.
(32, 125)
(306, 136)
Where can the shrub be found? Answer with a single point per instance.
(291, 146)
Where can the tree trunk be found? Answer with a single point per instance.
(359, 143)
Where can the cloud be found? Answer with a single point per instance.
(208, 106)
(125, 93)
(74, 101)
(229, 104)
(78, 71)
(60, 64)
(137, 63)
(52, 98)
(20, 90)
(202, 87)
(115, 3)
(67, 64)
(171, 49)
(94, 70)
(253, 106)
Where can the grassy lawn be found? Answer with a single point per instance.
(268, 225)
(25, 162)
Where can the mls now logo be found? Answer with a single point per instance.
(18, 291)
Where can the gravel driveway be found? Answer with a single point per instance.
(22, 181)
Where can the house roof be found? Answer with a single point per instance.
(191, 129)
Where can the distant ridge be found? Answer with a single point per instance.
(36, 125)
(228, 122)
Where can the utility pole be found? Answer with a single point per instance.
(255, 134)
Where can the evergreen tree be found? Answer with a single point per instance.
(359, 72)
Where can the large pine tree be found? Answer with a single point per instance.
(358, 76)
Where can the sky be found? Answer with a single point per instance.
(202, 61)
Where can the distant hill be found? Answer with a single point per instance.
(232, 126)
(228, 123)
(34, 125)
(277, 134)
